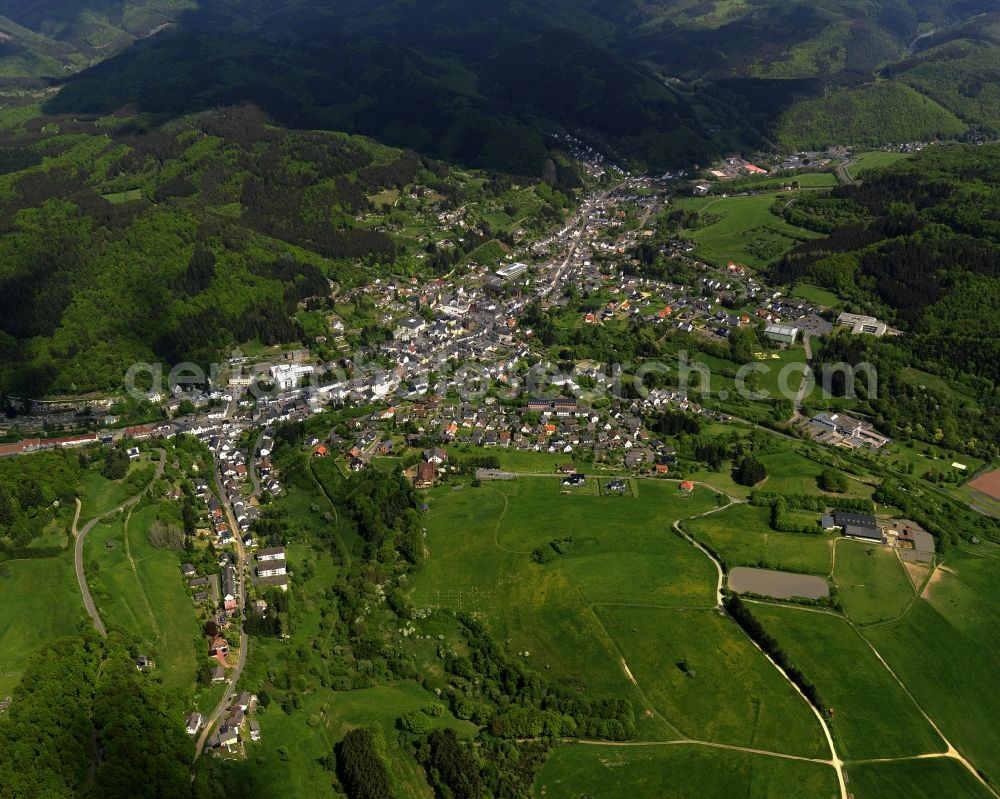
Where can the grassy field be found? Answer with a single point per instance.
(123, 196)
(742, 229)
(742, 536)
(772, 382)
(873, 717)
(816, 295)
(946, 649)
(40, 601)
(791, 473)
(146, 596)
(617, 550)
(872, 581)
(707, 679)
(875, 160)
(515, 460)
(99, 495)
(693, 772)
(286, 761)
(915, 779)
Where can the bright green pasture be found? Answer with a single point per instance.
(40, 601)
(915, 779)
(617, 550)
(705, 677)
(816, 295)
(146, 595)
(740, 228)
(742, 536)
(873, 716)
(946, 649)
(874, 160)
(791, 473)
(678, 770)
(872, 581)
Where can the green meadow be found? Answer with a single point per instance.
(616, 551)
(742, 536)
(40, 601)
(742, 229)
(144, 594)
(946, 649)
(706, 678)
(915, 779)
(872, 581)
(873, 717)
(678, 770)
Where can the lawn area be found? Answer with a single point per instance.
(707, 679)
(741, 535)
(946, 649)
(516, 460)
(98, 495)
(286, 761)
(118, 197)
(40, 601)
(816, 295)
(690, 771)
(927, 457)
(788, 472)
(873, 717)
(915, 779)
(742, 229)
(149, 599)
(780, 372)
(872, 581)
(617, 550)
(176, 626)
(874, 160)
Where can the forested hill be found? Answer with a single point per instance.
(660, 83)
(478, 83)
(919, 245)
(122, 244)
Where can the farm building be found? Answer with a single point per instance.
(858, 525)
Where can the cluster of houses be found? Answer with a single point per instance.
(554, 426)
(236, 726)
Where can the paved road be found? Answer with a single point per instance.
(844, 175)
(81, 577)
(580, 226)
(241, 660)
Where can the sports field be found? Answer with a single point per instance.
(988, 483)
